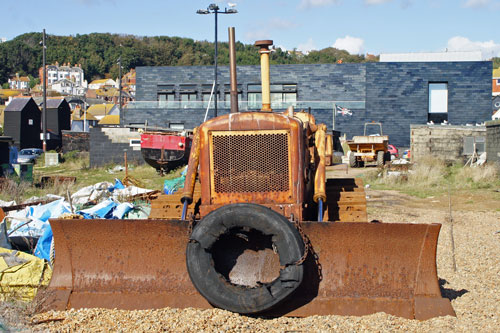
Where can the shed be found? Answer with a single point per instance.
(4, 153)
(450, 143)
(22, 121)
(58, 119)
(58, 115)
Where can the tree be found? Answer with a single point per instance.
(33, 81)
(98, 53)
(5, 85)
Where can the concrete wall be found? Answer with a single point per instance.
(395, 94)
(446, 142)
(108, 145)
(493, 141)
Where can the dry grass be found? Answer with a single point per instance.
(432, 176)
(470, 176)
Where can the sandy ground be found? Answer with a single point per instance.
(473, 288)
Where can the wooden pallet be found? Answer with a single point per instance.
(346, 200)
(169, 206)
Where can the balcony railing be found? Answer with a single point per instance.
(243, 105)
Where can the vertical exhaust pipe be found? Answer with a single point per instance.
(232, 71)
(264, 72)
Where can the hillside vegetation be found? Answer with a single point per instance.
(98, 53)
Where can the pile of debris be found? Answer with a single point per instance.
(26, 243)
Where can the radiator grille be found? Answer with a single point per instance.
(250, 161)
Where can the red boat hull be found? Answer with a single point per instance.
(165, 151)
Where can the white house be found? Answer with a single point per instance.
(17, 82)
(98, 84)
(56, 73)
(64, 87)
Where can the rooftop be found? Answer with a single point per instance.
(431, 56)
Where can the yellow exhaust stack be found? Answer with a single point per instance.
(264, 69)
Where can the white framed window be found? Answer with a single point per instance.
(438, 97)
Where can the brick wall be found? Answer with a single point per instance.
(446, 142)
(75, 141)
(108, 146)
(493, 141)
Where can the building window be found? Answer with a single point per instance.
(176, 126)
(188, 100)
(227, 95)
(438, 102)
(187, 94)
(438, 97)
(254, 96)
(206, 91)
(472, 143)
(166, 99)
(282, 95)
(166, 95)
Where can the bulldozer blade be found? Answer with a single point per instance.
(352, 268)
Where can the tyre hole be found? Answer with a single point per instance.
(246, 257)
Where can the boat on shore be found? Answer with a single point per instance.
(166, 150)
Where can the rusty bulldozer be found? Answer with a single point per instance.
(259, 230)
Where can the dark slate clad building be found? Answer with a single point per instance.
(58, 115)
(22, 121)
(58, 119)
(395, 93)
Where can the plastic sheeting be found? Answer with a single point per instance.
(109, 207)
(39, 217)
(21, 275)
(170, 186)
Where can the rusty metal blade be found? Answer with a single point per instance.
(140, 264)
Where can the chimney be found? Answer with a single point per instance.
(264, 73)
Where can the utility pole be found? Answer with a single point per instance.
(44, 110)
(120, 84)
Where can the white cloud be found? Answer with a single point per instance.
(317, 3)
(404, 3)
(307, 46)
(376, 2)
(476, 3)
(353, 45)
(488, 49)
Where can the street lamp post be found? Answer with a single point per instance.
(214, 9)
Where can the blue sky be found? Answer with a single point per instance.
(359, 26)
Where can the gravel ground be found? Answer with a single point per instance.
(474, 288)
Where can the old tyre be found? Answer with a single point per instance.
(217, 267)
(352, 160)
(380, 158)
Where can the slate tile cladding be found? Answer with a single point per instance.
(395, 94)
